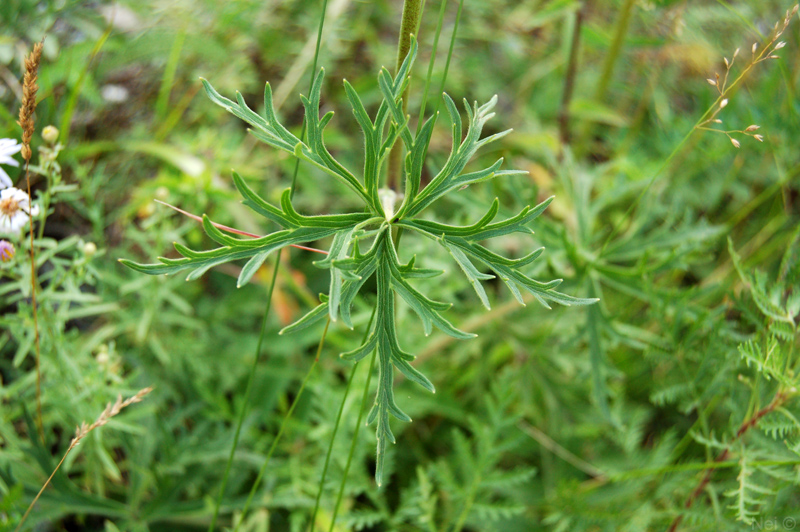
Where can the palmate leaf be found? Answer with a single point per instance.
(349, 267)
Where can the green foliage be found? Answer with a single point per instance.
(351, 269)
(621, 408)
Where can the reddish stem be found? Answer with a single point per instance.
(779, 399)
(232, 230)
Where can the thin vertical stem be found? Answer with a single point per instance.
(449, 55)
(611, 58)
(247, 389)
(614, 50)
(336, 428)
(278, 436)
(26, 122)
(429, 76)
(409, 25)
(364, 399)
(569, 78)
(262, 333)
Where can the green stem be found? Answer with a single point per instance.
(168, 79)
(336, 428)
(364, 399)
(275, 270)
(614, 50)
(608, 64)
(278, 436)
(72, 101)
(430, 65)
(449, 55)
(247, 388)
(569, 79)
(409, 25)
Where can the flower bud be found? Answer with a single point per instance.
(50, 134)
(89, 249)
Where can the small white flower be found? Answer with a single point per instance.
(15, 210)
(8, 147)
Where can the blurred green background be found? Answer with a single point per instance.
(595, 418)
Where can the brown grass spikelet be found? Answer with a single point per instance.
(110, 411)
(29, 89)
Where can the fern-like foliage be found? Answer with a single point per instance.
(349, 266)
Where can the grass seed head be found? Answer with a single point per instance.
(29, 89)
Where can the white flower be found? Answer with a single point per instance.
(15, 210)
(8, 147)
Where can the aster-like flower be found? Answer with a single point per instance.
(8, 147)
(15, 211)
(7, 250)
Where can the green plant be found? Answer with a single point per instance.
(349, 267)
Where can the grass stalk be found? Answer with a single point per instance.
(569, 77)
(28, 107)
(72, 101)
(168, 79)
(713, 109)
(262, 333)
(336, 428)
(80, 433)
(354, 442)
(247, 390)
(614, 50)
(449, 56)
(286, 418)
(437, 34)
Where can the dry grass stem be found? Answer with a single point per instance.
(29, 90)
(110, 411)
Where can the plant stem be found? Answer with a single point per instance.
(286, 418)
(614, 50)
(275, 270)
(449, 55)
(780, 398)
(714, 106)
(248, 387)
(438, 33)
(569, 78)
(364, 398)
(409, 25)
(336, 428)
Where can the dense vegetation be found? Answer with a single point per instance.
(671, 403)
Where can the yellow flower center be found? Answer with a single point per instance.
(9, 207)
